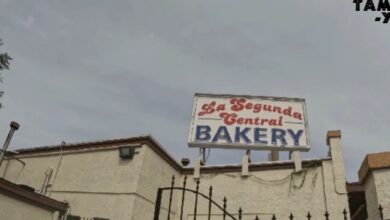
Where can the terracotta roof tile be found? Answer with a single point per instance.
(373, 162)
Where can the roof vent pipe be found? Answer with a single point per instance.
(14, 126)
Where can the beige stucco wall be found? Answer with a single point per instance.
(155, 172)
(269, 192)
(92, 171)
(97, 183)
(13, 209)
(377, 191)
(32, 174)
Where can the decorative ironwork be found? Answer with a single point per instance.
(210, 195)
(182, 197)
(345, 214)
(220, 208)
(158, 204)
(308, 216)
(326, 215)
(170, 197)
(381, 212)
(198, 194)
(224, 207)
(196, 199)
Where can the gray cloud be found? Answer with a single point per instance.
(96, 69)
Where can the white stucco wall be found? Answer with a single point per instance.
(13, 209)
(371, 198)
(382, 183)
(377, 190)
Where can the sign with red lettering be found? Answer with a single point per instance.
(249, 122)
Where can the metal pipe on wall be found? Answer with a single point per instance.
(14, 126)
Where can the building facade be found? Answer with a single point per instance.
(19, 202)
(119, 180)
(374, 176)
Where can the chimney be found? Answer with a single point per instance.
(333, 140)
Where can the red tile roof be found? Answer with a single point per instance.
(374, 161)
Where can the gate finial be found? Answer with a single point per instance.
(308, 216)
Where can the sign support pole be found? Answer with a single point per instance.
(198, 163)
(248, 152)
(245, 164)
(296, 156)
(204, 156)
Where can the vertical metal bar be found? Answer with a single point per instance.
(196, 199)
(182, 197)
(273, 217)
(14, 126)
(381, 211)
(204, 156)
(170, 197)
(210, 195)
(257, 218)
(326, 215)
(308, 216)
(224, 207)
(239, 213)
(158, 204)
(345, 214)
(291, 217)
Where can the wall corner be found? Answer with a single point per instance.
(333, 140)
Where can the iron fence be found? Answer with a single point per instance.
(223, 208)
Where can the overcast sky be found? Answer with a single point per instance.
(92, 70)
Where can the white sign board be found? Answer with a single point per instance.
(249, 122)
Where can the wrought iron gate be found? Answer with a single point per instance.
(211, 203)
(222, 208)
